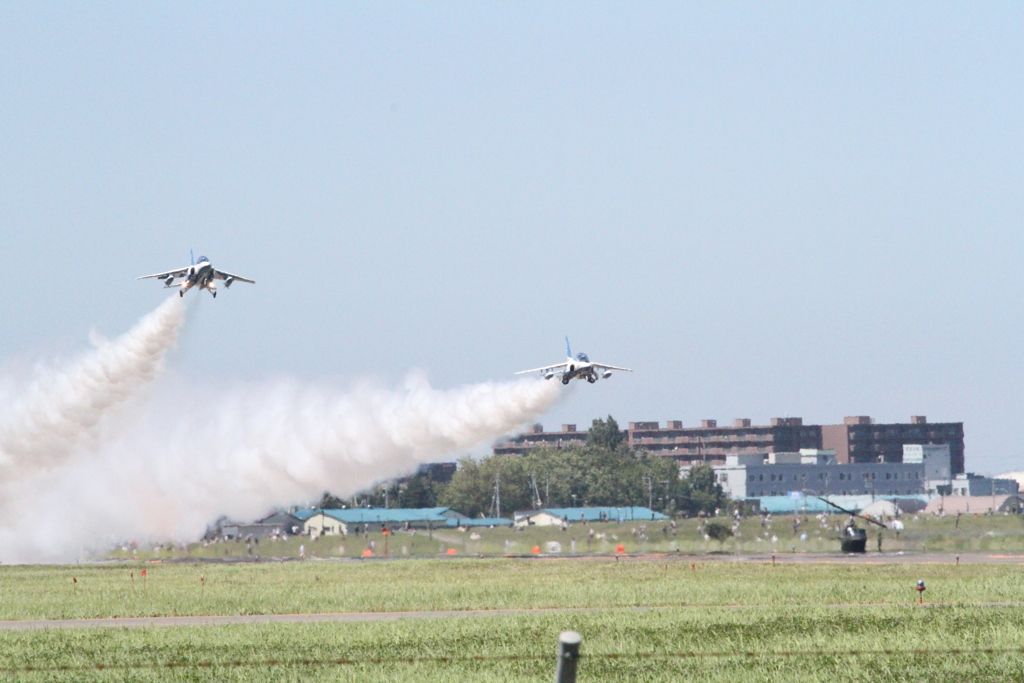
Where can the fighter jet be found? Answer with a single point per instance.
(201, 275)
(579, 367)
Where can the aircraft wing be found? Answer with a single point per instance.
(610, 367)
(170, 273)
(558, 367)
(221, 275)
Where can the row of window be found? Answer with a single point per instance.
(897, 434)
(843, 476)
(844, 492)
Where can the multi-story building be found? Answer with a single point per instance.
(536, 437)
(971, 484)
(816, 472)
(711, 443)
(857, 440)
(860, 439)
(925, 470)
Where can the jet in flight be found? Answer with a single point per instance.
(579, 367)
(201, 275)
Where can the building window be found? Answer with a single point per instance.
(751, 478)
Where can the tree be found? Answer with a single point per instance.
(718, 531)
(330, 502)
(604, 434)
(467, 492)
(703, 493)
(472, 490)
(419, 491)
(605, 471)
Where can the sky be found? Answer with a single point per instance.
(766, 210)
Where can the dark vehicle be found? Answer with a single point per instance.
(854, 540)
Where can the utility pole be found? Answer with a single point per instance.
(536, 492)
(497, 492)
(385, 496)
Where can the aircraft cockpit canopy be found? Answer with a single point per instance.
(202, 258)
(582, 357)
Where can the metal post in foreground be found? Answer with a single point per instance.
(568, 656)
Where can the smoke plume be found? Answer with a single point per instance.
(61, 409)
(236, 452)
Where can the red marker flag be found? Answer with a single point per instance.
(74, 580)
(143, 572)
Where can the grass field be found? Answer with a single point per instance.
(521, 648)
(985, 533)
(715, 613)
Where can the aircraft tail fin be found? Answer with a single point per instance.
(568, 349)
(192, 257)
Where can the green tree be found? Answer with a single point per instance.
(703, 493)
(604, 434)
(472, 491)
(468, 492)
(604, 471)
(718, 531)
(419, 491)
(328, 501)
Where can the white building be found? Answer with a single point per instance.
(936, 461)
(815, 472)
(971, 484)
(323, 524)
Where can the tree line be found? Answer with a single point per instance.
(606, 471)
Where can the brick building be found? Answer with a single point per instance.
(857, 440)
(709, 442)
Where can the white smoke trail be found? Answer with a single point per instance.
(62, 408)
(240, 453)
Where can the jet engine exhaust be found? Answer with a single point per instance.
(169, 467)
(62, 407)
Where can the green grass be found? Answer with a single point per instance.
(716, 613)
(47, 592)
(520, 648)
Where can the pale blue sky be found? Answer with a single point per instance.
(801, 209)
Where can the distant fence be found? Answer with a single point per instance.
(567, 659)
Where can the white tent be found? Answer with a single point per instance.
(881, 509)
